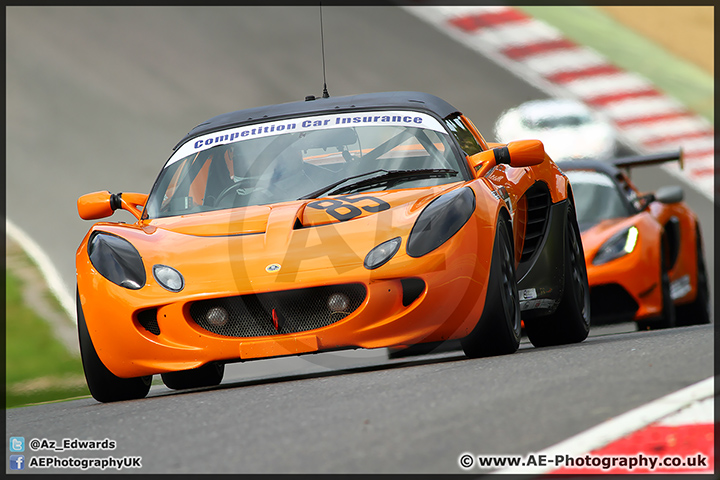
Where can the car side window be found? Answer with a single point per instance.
(465, 138)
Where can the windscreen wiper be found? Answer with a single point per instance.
(389, 175)
(327, 188)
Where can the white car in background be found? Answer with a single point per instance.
(569, 129)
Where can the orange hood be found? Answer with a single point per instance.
(308, 213)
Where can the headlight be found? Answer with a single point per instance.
(168, 278)
(440, 220)
(617, 246)
(117, 260)
(381, 254)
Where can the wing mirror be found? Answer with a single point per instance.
(669, 194)
(521, 153)
(96, 205)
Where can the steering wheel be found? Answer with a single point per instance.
(236, 186)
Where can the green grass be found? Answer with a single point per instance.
(38, 367)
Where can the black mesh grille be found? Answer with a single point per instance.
(294, 311)
(148, 320)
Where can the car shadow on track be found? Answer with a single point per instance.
(439, 356)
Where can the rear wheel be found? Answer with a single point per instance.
(697, 312)
(498, 330)
(570, 323)
(206, 376)
(103, 384)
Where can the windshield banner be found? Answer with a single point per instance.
(402, 118)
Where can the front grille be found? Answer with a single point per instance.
(294, 311)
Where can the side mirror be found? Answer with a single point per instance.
(669, 194)
(521, 153)
(96, 205)
(525, 153)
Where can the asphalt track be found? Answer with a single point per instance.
(96, 98)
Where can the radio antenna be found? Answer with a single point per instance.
(325, 93)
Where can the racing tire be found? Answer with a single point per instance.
(498, 330)
(103, 384)
(208, 375)
(667, 318)
(570, 323)
(698, 311)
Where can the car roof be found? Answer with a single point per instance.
(367, 101)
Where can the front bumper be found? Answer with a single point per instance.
(150, 330)
(625, 289)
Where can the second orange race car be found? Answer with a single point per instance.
(376, 220)
(644, 252)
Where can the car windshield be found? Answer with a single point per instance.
(560, 121)
(596, 198)
(288, 159)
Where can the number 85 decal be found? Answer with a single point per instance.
(343, 209)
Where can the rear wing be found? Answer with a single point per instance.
(651, 159)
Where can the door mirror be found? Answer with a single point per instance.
(525, 153)
(521, 153)
(96, 205)
(669, 194)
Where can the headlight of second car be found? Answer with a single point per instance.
(117, 260)
(440, 220)
(617, 246)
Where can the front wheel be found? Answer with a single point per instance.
(103, 384)
(498, 330)
(571, 321)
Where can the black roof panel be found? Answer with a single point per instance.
(366, 101)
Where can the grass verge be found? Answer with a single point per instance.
(38, 368)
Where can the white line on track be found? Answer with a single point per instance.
(48, 270)
(622, 425)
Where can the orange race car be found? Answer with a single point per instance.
(644, 253)
(375, 220)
